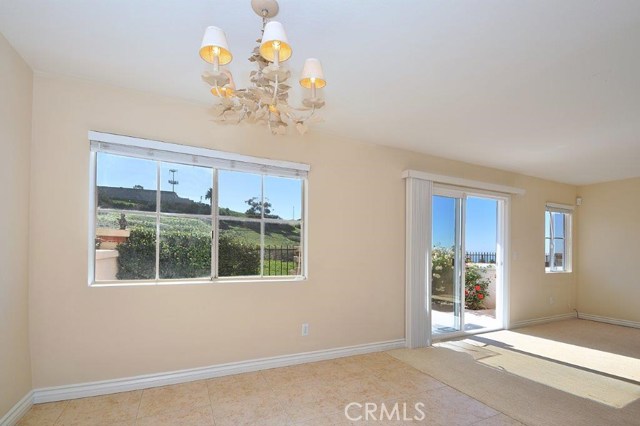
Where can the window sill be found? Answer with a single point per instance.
(547, 271)
(155, 283)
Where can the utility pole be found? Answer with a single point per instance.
(173, 180)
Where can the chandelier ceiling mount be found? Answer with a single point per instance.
(265, 8)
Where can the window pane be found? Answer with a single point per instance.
(185, 247)
(185, 189)
(558, 225)
(238, 248)
(547, 224)
(444, 213)
(547, 252)
(283, 198)
(558, 246)
(282, 251)
(125, 246)
(239, 194)
(125, 254)
(125, 183)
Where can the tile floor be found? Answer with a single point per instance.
(310, 394)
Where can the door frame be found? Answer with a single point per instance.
(419, 192)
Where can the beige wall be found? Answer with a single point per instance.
(609, 250)
(15, 137)
(355, 290)
(531, 287)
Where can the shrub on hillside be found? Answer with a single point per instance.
(237, 258)
(137, 256)
(183, 255)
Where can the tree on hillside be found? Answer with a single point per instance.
(254, 210)
(256, 207)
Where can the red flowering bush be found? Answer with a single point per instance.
(476, 288)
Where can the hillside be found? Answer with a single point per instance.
(249, 233)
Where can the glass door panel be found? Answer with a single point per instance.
(482, 265)
(447, 264)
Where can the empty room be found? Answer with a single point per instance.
(319, 212)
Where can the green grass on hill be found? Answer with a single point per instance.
(278, 267)
(248, 233)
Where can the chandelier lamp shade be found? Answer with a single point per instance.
(215, 48)
(274, 46)
(266, 100)
(312, 76)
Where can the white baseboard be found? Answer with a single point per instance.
(608, 320)
(18, 410)
(543, 320)
(82, 390)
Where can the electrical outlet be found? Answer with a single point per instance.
(305, 329)
(551, 300)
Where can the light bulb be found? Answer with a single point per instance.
(216, 58)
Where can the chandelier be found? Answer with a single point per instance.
(266, 100)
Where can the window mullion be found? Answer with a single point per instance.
(215, 228)
(552, 246)
(93, 214)
(158, 201)
(262, 226)
(303, 241)
(564, 242)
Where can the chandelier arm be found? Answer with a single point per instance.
(243, 115)
(269, 124)
(300, 118)
(275, 90)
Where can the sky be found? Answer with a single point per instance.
(480, 225)
(234, 188)
(285, 195)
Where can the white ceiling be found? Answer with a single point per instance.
(546, 88)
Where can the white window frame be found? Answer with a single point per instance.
(217, 160)
(567, 212)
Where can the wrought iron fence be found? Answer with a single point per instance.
(559, 259)
(281, 260)
(481, 257)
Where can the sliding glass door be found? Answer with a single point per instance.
(466, 262)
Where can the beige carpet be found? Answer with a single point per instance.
(572, 372)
